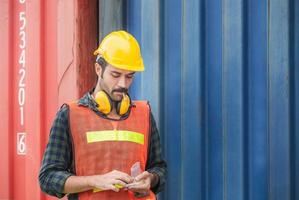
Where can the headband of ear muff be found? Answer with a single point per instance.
(105, 103)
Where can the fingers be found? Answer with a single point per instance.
(140, 186)
(114, 185)
(126, 178)
(113, 188)
(143, 175)
(119, 184)
(122, 176)
(142, 183)
(116, 180)
(117, 187)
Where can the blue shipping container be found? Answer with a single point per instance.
(223, 80)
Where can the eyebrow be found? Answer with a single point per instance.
(115, 73)
(132, 73)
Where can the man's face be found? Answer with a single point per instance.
(116, 82)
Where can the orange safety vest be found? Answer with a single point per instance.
(102, 145)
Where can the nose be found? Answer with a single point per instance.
(122, 82)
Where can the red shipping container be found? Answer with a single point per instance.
(46, 59)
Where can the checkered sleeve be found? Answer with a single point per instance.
(155, 163)
(57, 161)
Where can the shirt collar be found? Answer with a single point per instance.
(88, 101)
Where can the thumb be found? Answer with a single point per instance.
(141, 176)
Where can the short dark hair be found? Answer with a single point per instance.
(102, 62)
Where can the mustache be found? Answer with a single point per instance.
(123, 90)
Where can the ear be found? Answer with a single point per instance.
(98, 69)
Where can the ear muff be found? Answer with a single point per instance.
(105, 103)
(124, 105)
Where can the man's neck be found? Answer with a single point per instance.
(96, 90)
(113, 115)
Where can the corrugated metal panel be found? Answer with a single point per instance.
(257, 106)
(46, 59)
(222, 77)
(4, 101)
(21, 88)
(111, 16)
(279, 98)
(295, 99)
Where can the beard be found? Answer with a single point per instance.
(114, 94)
(120, 92)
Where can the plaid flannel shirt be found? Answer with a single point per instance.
(58, 165)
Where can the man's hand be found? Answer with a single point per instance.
(143, 183)
(109, 180)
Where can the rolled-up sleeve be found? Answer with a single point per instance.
(57, 161)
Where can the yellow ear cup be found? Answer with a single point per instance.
(124, 105)
(103, 101)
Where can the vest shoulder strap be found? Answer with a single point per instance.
(142, 104)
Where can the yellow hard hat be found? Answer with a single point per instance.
(121, 50)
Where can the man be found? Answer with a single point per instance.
(104, 146)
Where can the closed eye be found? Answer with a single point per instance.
(131, 75)
(115, 74)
